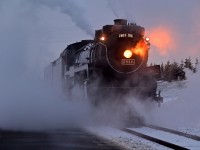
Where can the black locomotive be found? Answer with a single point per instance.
(112, 65)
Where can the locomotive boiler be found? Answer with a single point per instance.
(110, 66)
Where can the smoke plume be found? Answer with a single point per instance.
(111, 5)
(71, 8)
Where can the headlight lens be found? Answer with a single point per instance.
(102, 38)
(128, 53)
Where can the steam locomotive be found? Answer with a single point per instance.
(110, 66)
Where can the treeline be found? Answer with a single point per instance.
(176, 71)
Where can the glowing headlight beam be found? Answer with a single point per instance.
(102, 38)
(128, 53)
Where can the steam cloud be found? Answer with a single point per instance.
(72, 9)
(26, 102)
(111, 5)
(32, 105)
(182, 112)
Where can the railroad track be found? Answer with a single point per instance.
(194, 137)
(167, 137)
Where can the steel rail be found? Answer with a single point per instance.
(193, 137)
(156, 140)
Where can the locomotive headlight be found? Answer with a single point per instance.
(102, 38)
(128, 53)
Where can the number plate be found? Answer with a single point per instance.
(128, 61)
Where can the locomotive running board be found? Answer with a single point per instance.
(73, 70)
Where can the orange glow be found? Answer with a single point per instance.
(140, 48)
(162, 39)
(128, 53)
(139, 51)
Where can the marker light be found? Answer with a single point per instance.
(128, 53)
(147, 39)
(102, 38)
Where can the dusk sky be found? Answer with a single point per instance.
(34, 32)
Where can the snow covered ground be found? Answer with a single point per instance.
(171, 90)
(179, 111)
(181, 106)
(169, 137)
(123, 139)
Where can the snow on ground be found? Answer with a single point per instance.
(169, 137)
(190, 129)
(123, 139)
(171, 91)
(179, 111)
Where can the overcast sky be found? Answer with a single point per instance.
(34, 32)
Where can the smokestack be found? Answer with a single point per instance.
(120, 22)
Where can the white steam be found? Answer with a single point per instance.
(71, 8)
(26, 103)
(29, 104)
(182, 112)
(111, 5)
